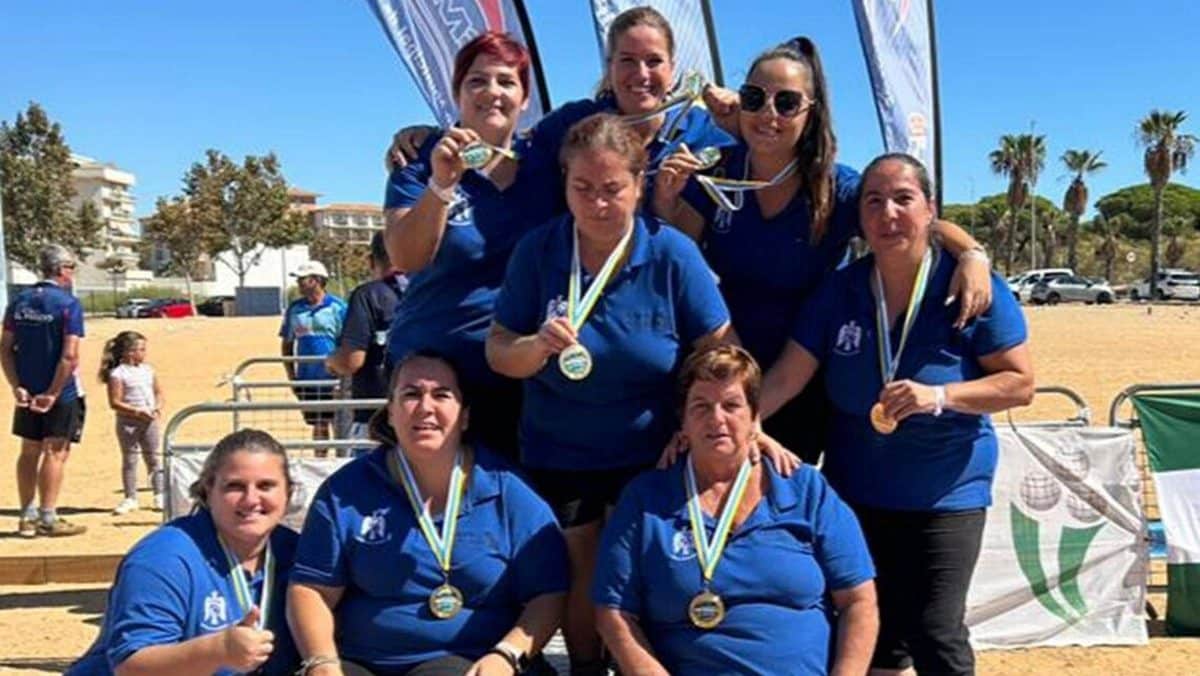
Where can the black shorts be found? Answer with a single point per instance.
(580, 497)
(923, 565)
(319, 393)
(63, 421)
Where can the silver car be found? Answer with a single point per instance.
(1072, 288)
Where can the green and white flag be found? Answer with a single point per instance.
(1171, 430)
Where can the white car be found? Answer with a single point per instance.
(129, 308)
(1022, 285)
(1072, 288)
(1172, 283)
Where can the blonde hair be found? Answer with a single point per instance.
(248, 440)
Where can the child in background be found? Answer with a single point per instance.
(136, 398)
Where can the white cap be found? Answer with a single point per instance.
(311, 268)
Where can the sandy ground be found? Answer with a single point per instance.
(1096, 351)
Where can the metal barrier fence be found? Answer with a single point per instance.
(250, 382)
(1083, 413)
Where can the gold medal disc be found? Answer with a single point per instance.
(445, 602)
(881, 421)
(476, 155)
(706, 610)
(575, 362)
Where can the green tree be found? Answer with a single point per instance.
(173, 227)
(35, 186)
(244, 207)
(1168, 149)
(348, 262)
(1006, 161)
(1075, 201)
(1176, 229)
(1110, 242)
(1139, 202)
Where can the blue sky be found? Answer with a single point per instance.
(149, 85)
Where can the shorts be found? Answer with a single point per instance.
(319, 393)
(63, 421)
(923, 563)
(580, 497)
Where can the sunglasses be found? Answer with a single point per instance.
(787, 103)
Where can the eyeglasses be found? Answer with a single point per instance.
(787, 103)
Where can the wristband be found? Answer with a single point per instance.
(939, 399)
(314, 662)
(976, 252)
(516, 658)
(446, 195)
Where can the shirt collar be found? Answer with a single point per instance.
(639, 253)
(482, 485)
(781, 494)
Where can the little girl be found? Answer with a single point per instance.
(137, 399)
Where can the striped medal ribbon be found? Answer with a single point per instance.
(728, 193)
(241, 587)
(706, 609)
(688, 94)
(575, 362)
(446, 601)
(889, 361)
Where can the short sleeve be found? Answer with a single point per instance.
(517, 303)
(340, 314)
(703, 131)
(147, 607)
(1002, 327)
(844, 221)
(840, 548)
(320, 558)
(405, 185)
(696, 197)
(699, 307)
(9, 323)
(539, 551)
(617, 582)
(74, 325)
(811, 330)
(358, 331)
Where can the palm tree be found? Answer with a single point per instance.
(1075, 201)
(1109, 230)
(1167, 149)
(1175, 228)
(1005, 161)
(1032, 155)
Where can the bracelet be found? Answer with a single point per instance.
(508, 657)
(939, 399)
(444, 194)
(976, 252)
(316, 661)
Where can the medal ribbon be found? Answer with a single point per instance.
(578, 308)
(442, 544)
(241, 588)
(689, 93)
(494, 150)
(719, 189)
(708, 553)
(889, 363)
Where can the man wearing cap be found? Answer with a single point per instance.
(362, 347)
(39, 351)
(311, 326)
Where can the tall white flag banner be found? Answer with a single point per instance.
(1064, 560)
(898, 43)
(691, 23)
(427, 35)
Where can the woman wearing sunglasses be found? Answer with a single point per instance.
(781, 219)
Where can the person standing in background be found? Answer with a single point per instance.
(362, 348)
(311, 326)
(43, 325)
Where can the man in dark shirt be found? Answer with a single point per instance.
(39, 352)
(362, 347)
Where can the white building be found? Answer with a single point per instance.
(114, 263)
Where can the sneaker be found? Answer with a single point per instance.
(126, 506)
(157, 504)
(27, 528)
(60, 527)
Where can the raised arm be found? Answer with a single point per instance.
(518, 356)
(972, 283)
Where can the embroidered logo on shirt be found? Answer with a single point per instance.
(849, 339)
(373, 530)
(555, 308)
(215, 611)
(460, 212)
(682, 548)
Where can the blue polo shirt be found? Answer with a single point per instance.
(40, 318)
(174, 586)
(697, 129)
(449, 302)
(361, 534)
(929, 463)
(799, 543)
(653, 309)
(768, 267)
(313, 331)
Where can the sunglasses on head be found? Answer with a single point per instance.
(787, 103)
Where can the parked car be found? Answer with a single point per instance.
(213, 306)
(1072, 288)
(167, 307)
(131, 305)
(1172, 283)
(1022, 285)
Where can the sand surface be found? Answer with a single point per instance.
(1095, 351)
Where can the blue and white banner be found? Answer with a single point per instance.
(691, 22)
(897, 40)
(427, 35)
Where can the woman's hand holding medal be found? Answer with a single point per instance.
(446, 161)
(556, 335)
(902, 398)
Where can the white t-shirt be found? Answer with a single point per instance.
(139, 384)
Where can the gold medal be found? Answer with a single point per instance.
(575, 362)
(445, 602)
(476, 155)
(881, 421)
(706, 610)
